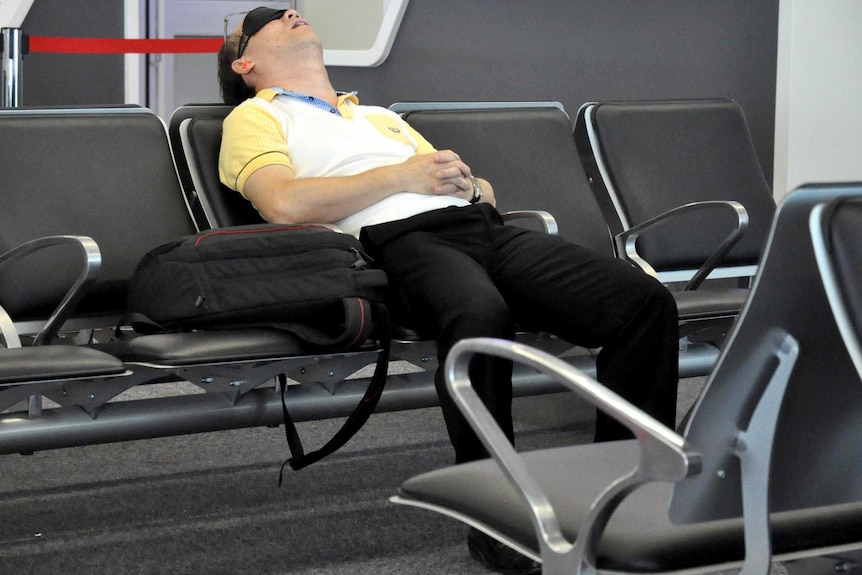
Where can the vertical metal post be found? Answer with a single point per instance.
(12, 57)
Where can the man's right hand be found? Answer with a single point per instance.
(438, 173)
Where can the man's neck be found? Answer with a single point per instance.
(309, 78)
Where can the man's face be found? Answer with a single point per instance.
(266, 25)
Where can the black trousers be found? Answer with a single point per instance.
(459, 272)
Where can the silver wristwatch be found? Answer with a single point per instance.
(477, 191)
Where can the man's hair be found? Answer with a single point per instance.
(234, 90)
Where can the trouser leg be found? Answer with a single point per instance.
(596, 301)
(451, 294)
(473, 277)
(640, 362)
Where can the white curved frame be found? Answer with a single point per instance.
(13, 12)
(393, 12)
(830, 283)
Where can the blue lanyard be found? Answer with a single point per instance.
(316, 102)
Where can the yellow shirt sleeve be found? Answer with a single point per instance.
(251, 138)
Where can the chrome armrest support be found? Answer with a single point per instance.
(549, 224)
(664, 455)
(90, 270)
(626, 241)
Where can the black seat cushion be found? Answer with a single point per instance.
(42, 363)
(640, 537)
(199, 347)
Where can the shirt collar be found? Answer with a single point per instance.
(346, 100)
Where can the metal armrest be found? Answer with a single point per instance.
(549, 224)
(90, 270)
(664, 456)
(625, 241)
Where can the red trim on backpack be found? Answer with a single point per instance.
(228, 231)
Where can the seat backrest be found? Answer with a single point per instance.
(220, 205)
(527, 153)
(104, 173)
(817, 449)
(645, 158)
(836, 231)
(195, 131)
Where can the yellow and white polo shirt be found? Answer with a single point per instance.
(313, 142)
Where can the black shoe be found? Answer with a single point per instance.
(499, 557)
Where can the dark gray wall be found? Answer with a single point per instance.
(575, 51)
(567, 50)
(73, 79)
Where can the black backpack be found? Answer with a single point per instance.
(306, 279)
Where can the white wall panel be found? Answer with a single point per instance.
(818, 132)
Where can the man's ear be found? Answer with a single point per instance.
(241, 67)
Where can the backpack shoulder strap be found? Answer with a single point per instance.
(361, 413)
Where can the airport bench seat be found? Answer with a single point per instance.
(529, 151)
(679, 183)
(497, 140)
(195, 132)
(114, 182)
(766, 468)
(52, 370)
